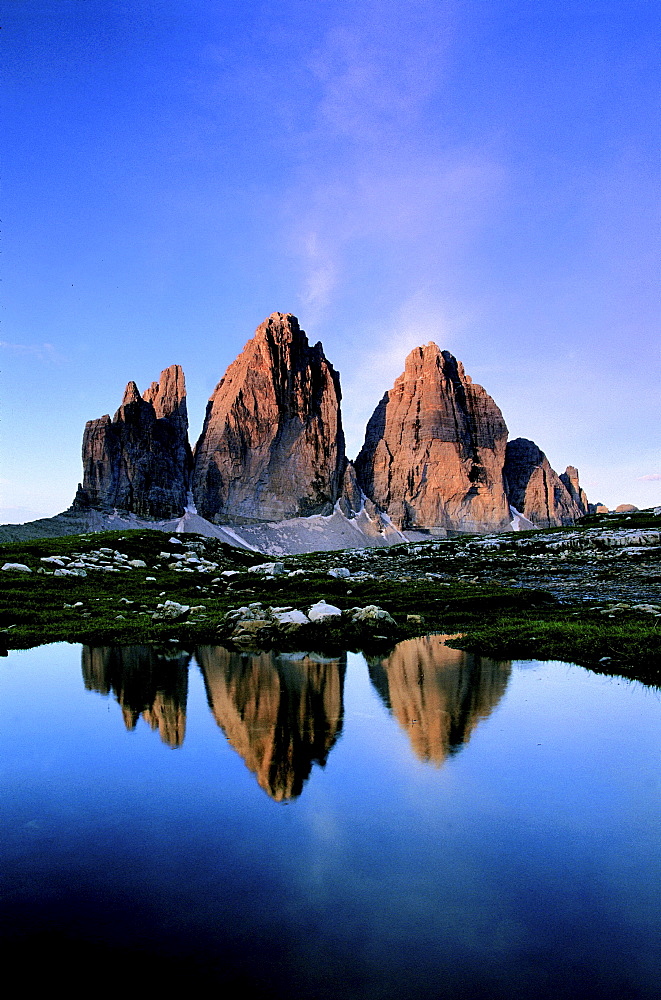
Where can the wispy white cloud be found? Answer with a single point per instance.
(652, 477)
(46, 353)
(378, 180)
(364, 89)
(321, 274)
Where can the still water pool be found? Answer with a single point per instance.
(421, 826)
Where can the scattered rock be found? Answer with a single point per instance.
(322, 610)
(270, 569)
(291, 617)
(170, 610)
(372, 613)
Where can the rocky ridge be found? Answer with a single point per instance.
(140, 461)
(534, 489)
(270, 470)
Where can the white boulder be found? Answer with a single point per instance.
(170, 610)
(322, 610)
(291, 617)
(371, 613)
(272, 569)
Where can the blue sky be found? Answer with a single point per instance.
(481, 174)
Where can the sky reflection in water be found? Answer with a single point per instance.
(421, 824)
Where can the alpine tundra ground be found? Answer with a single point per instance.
(590, 594)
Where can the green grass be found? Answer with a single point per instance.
(638, 519)
(631, 642)
(498, 621)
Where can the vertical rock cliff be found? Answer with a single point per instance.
(535, 490)
(570, 479)
(140, 461)
(434, 449)
(272, 445)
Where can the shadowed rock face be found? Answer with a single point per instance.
(537, 491)
(434, 449)
(144, 683)
(272, 445)
(140, 461)
(437, 694)
(280, 715)
(570, 480)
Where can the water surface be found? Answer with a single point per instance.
(303, 826)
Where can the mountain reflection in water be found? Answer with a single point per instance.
(437, 694)
(146, 682)
(283, 712)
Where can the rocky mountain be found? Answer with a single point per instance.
(435, 448)
(570, 479)
(535, 490)
(271, 455)
(140, 461)
(272, 445)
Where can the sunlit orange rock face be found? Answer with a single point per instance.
(534, 489)
(437, 694)
(280, 715)
(435, 448)
(144, 684)
(140, 461)
(272, 445)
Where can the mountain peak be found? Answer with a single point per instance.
(272, 444)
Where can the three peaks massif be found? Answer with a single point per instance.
(435, 458)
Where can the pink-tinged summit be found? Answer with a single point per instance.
(272, 445)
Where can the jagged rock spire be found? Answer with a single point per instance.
(434, 449)
(272, 444)
(535, 490)
(140, 461)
